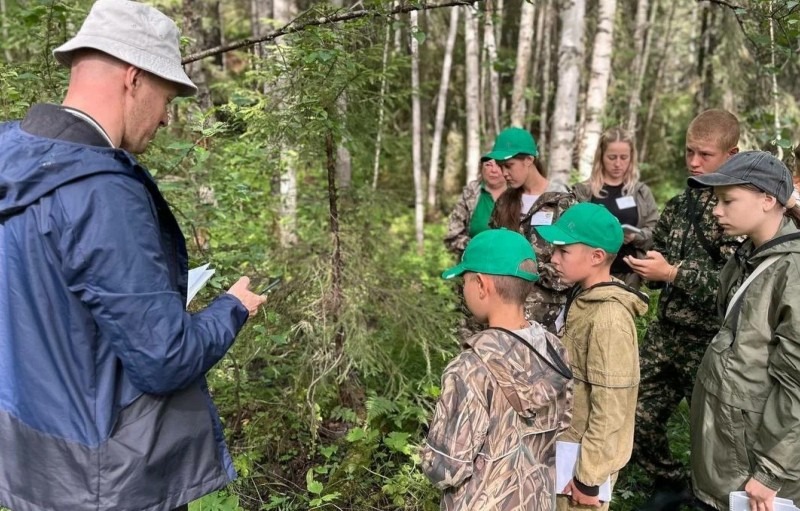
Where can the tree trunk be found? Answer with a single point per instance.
(441, 109)
(705, 65)
(193, 12)
(547, 64)
(570, 60)
(662, 64)
(453, 158)
(376, 164)
(522, 71)
(640, 57)
(260, 11)
(493, 78)
(416, 135)
(598, 85)
(472, 93)
(283, 11)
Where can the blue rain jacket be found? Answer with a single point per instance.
(103, 402)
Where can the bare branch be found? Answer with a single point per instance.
(724, 3)
(293, 27)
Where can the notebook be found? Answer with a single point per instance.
(739, 501)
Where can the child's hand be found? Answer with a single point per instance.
(761, 497)
(579, 498)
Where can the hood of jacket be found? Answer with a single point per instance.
(634, 301)
(25, 177)
(786, 241)
(530, 372)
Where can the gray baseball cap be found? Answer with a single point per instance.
(134, 33)
(757, 168)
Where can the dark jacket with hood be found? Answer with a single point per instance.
(103, 402)
(491, 443)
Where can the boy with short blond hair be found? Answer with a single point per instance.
(599, 333)
(689, 251)
(491, 442)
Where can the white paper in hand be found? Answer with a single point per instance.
(198, 277)
(566, 458)
(739, 501)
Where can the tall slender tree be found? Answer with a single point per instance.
(570, 60)
(598, 84)
(441, 109)
(416, 134)
(472, 92)
(522, 71)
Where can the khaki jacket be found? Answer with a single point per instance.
(600, 336)
(745, 414)
(646, 208)
(491, 442)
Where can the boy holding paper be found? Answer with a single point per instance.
(600, 335)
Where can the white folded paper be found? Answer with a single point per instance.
(567, 454)
(739, 501)
(198, 277)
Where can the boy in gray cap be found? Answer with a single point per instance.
(745, 408)
(103, 401)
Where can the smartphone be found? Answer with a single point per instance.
(272, 285)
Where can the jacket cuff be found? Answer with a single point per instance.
(764, 477)
(589, 491)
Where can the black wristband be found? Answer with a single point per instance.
(589, 491)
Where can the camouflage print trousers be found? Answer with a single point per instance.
(669, 358)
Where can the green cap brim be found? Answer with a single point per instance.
(499, 155)
(455, 271)
(554, 235)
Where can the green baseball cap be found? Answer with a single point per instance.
(496, 252)
(590, 224)
(511, 142)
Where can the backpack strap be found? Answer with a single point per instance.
(557, 364)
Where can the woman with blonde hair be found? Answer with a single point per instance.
(615, 184)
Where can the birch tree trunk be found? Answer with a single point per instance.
(490, 57)
(640, 57)
(598, 85)
(4, 27)
(570, 59)
(441, 109)
(283, 11)
(547, 65)
(260, 11)
(453, 158)
(416, 134)
(376, 164)
(522, 70)
(472, 93)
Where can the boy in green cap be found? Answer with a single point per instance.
(491, 442)
(599, 332)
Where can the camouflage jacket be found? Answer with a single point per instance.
(600, 334)
(688, 234)
(549, 289)
(457, 235)
(491, 442)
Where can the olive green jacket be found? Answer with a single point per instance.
(745, 414)
(600, 336)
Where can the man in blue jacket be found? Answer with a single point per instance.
(103, 401)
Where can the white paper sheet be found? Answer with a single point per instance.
(739, 501)
(198, 277)
(566, 457)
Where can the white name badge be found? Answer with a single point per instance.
(542, 218)
(626, 202)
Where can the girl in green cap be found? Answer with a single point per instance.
(531, 200)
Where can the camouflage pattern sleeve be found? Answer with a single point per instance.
(548, 276)
(456, 433)
(664, 226)
(648, 217)
(457, 235)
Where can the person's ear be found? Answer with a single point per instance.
(133, 78)
(770, 202)
(484, 283)
(598, 256)
(733, 151)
